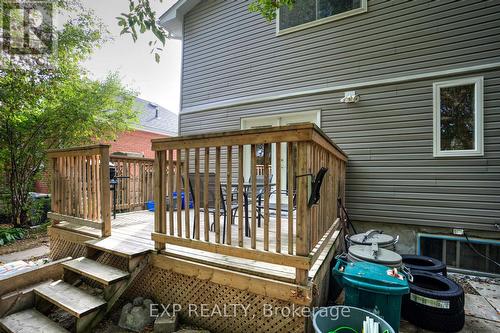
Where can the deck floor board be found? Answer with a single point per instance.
(133, 229)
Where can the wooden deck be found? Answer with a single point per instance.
(133, 229)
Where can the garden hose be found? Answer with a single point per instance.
(350, 329)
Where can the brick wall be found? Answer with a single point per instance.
(136, 141)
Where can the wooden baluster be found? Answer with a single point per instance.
(240, 196)
(229, 194)
(94, 189)
(254, 195)
(206, 216)
(105, 192)
(186, 194)
(85, 187)
(71, 189)
(217, 195)
(278, 197)
(267, 153)
(78, 193)
(171, 162)
(53, 186)
(160, 195)
(98, 183)
(178, 201)
(291, 193)
(89, 188)
(313, 158)
(303, 237)
(197, 197)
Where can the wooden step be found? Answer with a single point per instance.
(118, 247)
(96, 271)
(30, 321)
(69, 298)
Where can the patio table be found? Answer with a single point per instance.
(246, 189)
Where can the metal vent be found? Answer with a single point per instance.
(458, 255)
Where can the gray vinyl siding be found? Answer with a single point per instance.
(392, 176)
(231, 53)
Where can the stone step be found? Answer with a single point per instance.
(116, 247)
(69, 298)
(29, 321)
(96, 271)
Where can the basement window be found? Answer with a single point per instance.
(308, 13)
(458, 117)
(459, 254)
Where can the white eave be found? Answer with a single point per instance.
(173, 18)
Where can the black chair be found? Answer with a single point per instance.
(212, 193)
(259, 180)
(273, 206)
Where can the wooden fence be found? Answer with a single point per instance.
(134, 182)
(293, 233)
(80, 186)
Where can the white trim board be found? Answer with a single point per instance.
(333, 88)
(316, 22)
(478, 150)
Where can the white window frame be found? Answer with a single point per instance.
(478, 117)
(360, 10)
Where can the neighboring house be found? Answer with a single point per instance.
(154, 122)
(423, 138)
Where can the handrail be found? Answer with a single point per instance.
(80, 186)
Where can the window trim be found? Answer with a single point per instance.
(357, 11)
(478, 117)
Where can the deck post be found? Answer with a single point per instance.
(160, 196)
(303, 237)
(105, 191)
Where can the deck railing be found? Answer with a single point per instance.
(80, 186)
(293, 233)
(134, 185)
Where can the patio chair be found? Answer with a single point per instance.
(259, 180)
(272, 205)
(212, 192)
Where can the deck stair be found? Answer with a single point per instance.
(65, 294)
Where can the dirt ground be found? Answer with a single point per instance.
(34, 239)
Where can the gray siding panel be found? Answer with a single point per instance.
(392, 174)
(231, 53)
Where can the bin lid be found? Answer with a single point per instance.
(372, 236)
(379, 256)
(374, 277)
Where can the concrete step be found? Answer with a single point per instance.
(69, 298)
(96, 271)
(30, 321)
(116, 247)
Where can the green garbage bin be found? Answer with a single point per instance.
(345, 319)
(369, 286)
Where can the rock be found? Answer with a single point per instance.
(136, 316)
(166, 323)
(187, 330)
(138, 301)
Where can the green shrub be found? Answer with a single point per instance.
(9, 235)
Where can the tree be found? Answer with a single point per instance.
(51, 103)
(141, 18)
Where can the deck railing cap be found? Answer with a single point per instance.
(77, 149)
(161, 143)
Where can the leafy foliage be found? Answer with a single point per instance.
(141, 18)
(268, 8)
(9, 235)
(52, 103)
